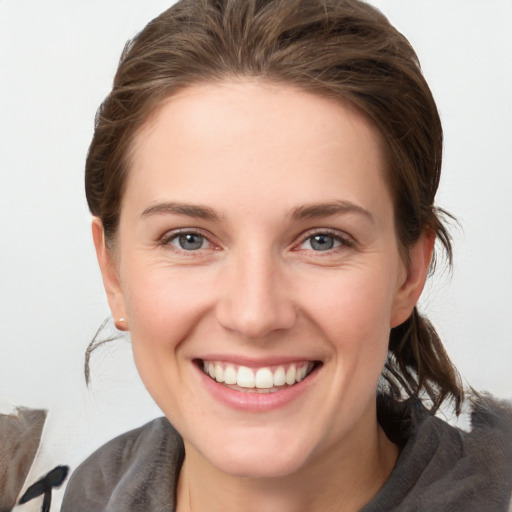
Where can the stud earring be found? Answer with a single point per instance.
(121, 324)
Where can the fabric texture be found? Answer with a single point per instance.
(20, 435)
(440, 468)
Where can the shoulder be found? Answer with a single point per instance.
(488, 447)
(126, 474)
(445, 468)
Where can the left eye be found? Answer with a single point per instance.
(189, 241)
(321, 242)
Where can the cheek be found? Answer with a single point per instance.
(163, 304)
(164, 310)
(356, 310)
(164, 307)
(355, 319)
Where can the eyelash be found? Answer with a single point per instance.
(166, 239)
(343, 240)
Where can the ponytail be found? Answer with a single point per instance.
(418, 365)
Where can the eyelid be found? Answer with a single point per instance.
(344, 238)
(166, 238)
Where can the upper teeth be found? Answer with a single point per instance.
(261, 378)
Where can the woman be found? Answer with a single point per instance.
(262, 180)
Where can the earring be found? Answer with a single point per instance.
(121, 324)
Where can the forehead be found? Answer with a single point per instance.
(257, 136)
(242, 104)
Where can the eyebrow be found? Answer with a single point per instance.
(190, 210)
(318, 210)
(305, 212)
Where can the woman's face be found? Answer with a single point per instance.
(257, 248)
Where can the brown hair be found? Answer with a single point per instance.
(343, 49)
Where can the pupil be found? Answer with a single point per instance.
(190, 241)
(322, 242)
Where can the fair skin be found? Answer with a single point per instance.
(257, 234)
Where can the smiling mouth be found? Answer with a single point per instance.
(268, 379)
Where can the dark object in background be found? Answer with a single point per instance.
(44, 486)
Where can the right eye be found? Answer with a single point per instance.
(322, 242)
(188, 241)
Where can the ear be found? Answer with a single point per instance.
(108, 269)
(416, 272)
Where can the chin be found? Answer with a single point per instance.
(263, 454)
(261, 465)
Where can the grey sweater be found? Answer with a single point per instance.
(440, 468)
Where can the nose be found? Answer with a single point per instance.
(255, 297)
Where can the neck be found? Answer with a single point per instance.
(343, 480)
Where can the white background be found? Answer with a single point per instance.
(57, 60)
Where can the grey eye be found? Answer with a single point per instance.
(189, 241)
(322, 242)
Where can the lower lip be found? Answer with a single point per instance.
(254, 401)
